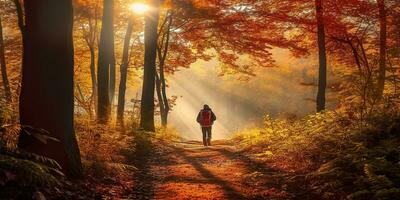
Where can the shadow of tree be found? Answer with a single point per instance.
(250, 163)
(145, 156)
(279, 179)
(140, 156)
(229, 191)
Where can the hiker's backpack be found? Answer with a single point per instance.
(206, 116)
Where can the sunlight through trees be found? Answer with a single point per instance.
(116, 93)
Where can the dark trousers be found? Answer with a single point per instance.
(206, 135)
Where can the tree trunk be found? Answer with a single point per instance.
(112, 78)
(322, 56)
(20, 15)
(162, 51)
(160, 99)
(147, 101)
(165, 111)
(91, 42)
(6, 84)
(382, 48)
(47, 95)
(105, 63)
(93, 75)
(124, 72)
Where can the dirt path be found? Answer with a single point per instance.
(187, 170)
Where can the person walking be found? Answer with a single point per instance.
(206, 118)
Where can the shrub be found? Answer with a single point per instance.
(341, 156)
(101, 147)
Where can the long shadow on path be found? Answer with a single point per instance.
(228, 190)
(250, 164)
(298, 188)
(144, 180)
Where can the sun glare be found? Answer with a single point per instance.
(139, 8)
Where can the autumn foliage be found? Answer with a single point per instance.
(85, 84)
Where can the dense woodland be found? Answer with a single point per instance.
(72, 129)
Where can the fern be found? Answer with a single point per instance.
(23, 168)
(342, 156)
(26, 172)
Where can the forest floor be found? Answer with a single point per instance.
(188, 170)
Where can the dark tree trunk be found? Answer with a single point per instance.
(47, 95)
(112, 77)
(382, 48)
(147, 101)
(124, 72)
(20, 15)
(93, 75)
(322, 56)
(161, 103)
(165, 111)
(161, 87)
(6, 84)
(90, 39)
(163, 57)
(105, 63)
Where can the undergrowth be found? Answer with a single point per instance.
(106, 154)
(19, 169)
(100, 147)
(104, 149)
(340, 156)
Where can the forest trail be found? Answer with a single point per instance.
(188, 170)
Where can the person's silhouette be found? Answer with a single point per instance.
(206, 118)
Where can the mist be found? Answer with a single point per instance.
(241, 104)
